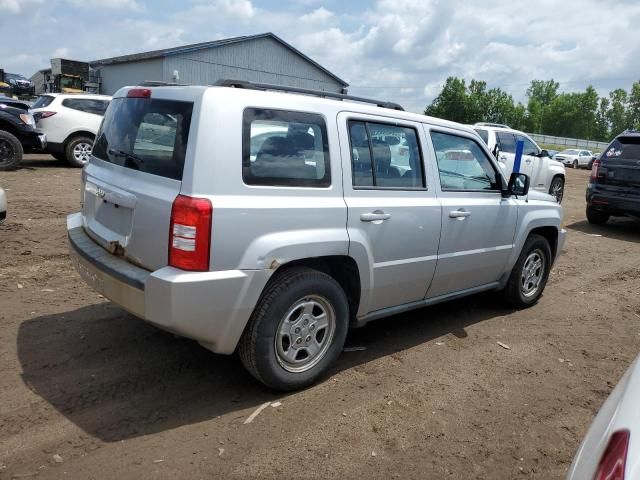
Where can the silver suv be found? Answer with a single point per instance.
(271, 221)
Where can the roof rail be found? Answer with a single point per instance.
(316, 93)
(489, 124)
(158, 83)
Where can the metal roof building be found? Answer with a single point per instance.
(264, 58)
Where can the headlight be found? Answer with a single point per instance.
(28, 119)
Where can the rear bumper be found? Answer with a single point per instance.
(210, 307)
(617, 203)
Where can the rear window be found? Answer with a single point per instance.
(145, 134)
(42, 101)
(624, 148)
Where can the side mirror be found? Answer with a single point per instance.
(544, 153)
(518, 185)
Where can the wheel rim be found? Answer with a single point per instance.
(6, 151)
(557, 190)
(532, 273)
(82, 152)
(305, 333)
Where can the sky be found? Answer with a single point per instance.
(397, 50)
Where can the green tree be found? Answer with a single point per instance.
(450, 102)
(617, 113)
(601, 132)
(633, 113)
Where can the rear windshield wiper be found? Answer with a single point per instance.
(129, 156)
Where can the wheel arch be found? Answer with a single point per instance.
(76, 134)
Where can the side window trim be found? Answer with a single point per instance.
(386, 122)
(490, 159)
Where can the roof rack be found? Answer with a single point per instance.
(489, 124)
(316, 93)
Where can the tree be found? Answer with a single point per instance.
(451, 102)
(601, 132)
(617, 113)
(633, 113)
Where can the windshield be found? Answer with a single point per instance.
(145, 134)
(570, 152)
(42, 101)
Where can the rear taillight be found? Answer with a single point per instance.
(594, 169)
(139, 93)
(613, 460)
(45, 114)
(190, 233)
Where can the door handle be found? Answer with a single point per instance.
(461, 213)
(376, 216)
(502, 158)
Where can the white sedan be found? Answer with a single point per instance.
(574, 158)
(611, 449)
(3, 205)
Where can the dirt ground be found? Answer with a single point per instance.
(89, 392)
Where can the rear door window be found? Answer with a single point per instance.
(146, 134)
(87, 105)
(285, 148)
(507, 142)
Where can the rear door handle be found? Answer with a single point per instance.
(462, 213)
(376, 216)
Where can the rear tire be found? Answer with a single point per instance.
(530, 273)
(302, 307)
(597, 217)
(10, 151)
(557, 188)
(78, 151)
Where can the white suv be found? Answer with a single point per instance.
(546, 174)
(70, 122)
(575, 158)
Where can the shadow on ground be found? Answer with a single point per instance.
(619, 228)
(31, 162)
(117, 377)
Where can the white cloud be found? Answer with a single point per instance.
(242, 9)
(62, 52)
(109, 4)
(17, 6)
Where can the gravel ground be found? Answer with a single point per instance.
(89, 392)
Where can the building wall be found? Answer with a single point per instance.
(120, 75)
(261, 60)
(38, 80)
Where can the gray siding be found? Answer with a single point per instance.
(120, 75)
(38, 82)
(261, 60)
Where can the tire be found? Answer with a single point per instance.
(10, 151)
(575, 164)
(557, 188)
(78, 150)
(517, 292)
(269, 355)
(597, 217)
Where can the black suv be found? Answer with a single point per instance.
(18, 133)
(614, 186)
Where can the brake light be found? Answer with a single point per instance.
(42, 115)
(139, 93)
(190, 233)
(613, 460)
(594, 169)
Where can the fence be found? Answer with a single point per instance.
(568, 142)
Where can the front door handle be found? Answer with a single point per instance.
(461, 213)
(376, 216)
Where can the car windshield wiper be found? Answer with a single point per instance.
(129, 156)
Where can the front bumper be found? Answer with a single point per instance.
(210, 307)
(33, 141)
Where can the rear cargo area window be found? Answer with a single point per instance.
(623, 148)
(283, 148)
(145, 134)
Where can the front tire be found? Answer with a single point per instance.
(597, 217)
(297, 329)
(557, 188)
(10, 151)
(575, 164)
(530, 273)
(78, 151)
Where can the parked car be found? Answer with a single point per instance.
(277, 256)
(546, 175)
(18, 135)
(14, 102)
(611, 449)
(574, 158)
(614, 185)
(70, 122)
(3, 205)
(552, 153)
